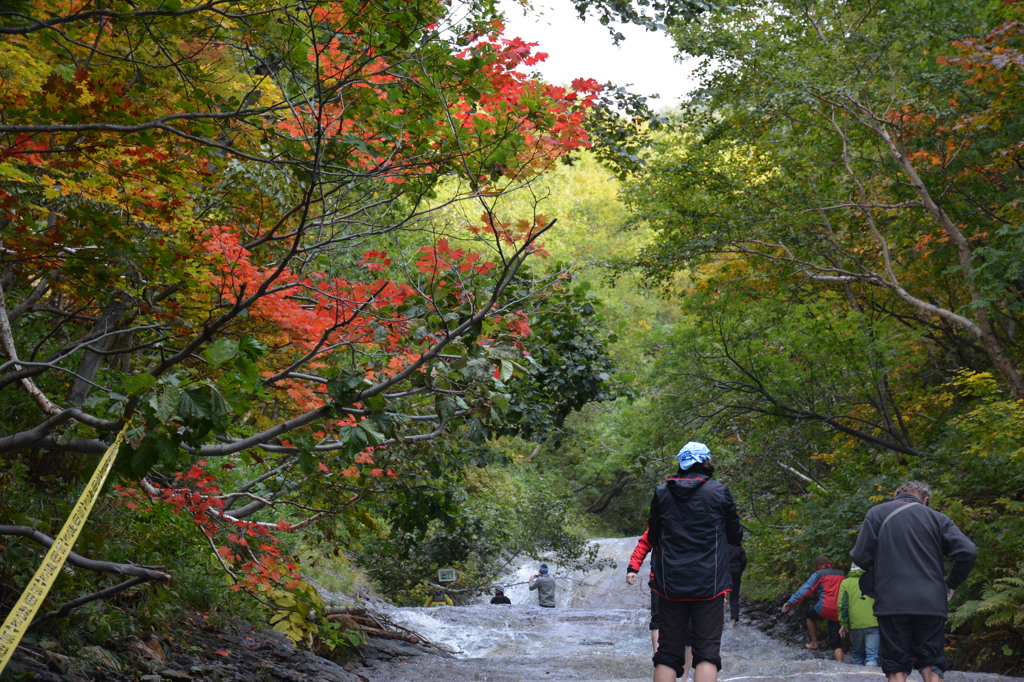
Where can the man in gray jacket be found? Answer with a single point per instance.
(903, 543)
(545, 586)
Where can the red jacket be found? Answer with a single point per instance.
(825, 584)
(643, 547)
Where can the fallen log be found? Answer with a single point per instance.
(348, 622)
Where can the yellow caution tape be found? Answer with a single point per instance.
(32, 598)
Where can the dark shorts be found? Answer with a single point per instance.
(656, 621)
(834, 640)
(911, 642)
(702, 619)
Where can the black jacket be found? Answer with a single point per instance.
(692, 523)
(908, 557)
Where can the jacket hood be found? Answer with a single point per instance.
(855, 572)
(682, 485)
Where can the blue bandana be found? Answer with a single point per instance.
(693, 453)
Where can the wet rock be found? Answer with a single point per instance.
(100, 658)
(42, 665)
(244, 654)
(239, 654)
(525, 642)
(58, 662)
(386, 649)
(146, 650)
(768, 618)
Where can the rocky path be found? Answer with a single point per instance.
(597, 632)
(519, 643)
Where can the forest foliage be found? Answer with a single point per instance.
(364, 297)
(837, 212)
(272, 238)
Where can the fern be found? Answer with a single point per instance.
(1001, 604)
(964, 613)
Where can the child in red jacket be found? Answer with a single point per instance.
(824, 584)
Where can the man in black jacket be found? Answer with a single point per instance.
(692, 523)
(903, 543)
(499, 597)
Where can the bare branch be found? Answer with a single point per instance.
(11, 351)
(137, 570)
(106, 593)
(91, 15)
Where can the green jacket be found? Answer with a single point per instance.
(856, 610)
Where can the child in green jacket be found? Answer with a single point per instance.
(856, 616)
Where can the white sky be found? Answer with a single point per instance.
(578, 49)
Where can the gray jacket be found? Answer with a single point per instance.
(908, 557)
(545, 586)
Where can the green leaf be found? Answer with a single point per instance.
(248, 373)
(9, 172)
(204, 402)
(500, 401)
(137, 384)
(221, 351)
(164, 401)
(374, 437)
(219, 407)
(346, 385)
(251, 347)
(307, 462)
(377, 403)
(507, 367)
(190, 408)
(353, 441)
(152, 451)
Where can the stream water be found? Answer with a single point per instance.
(597, 632)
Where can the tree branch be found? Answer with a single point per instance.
(95, 596)
(40, 538)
